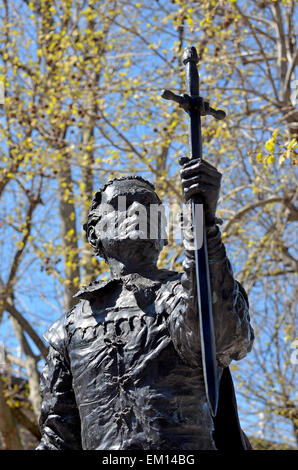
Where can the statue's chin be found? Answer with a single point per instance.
(130, 248)
(139, 243)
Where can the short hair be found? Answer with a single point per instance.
(93, 216)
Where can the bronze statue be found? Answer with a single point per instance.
(142, 361)
(124, 369)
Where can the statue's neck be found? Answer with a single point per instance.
(120, 268)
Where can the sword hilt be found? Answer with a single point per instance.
(194, 103)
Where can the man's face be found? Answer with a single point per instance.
(131, 218)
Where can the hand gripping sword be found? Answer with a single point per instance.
(195, 107)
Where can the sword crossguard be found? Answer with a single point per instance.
(189, 103)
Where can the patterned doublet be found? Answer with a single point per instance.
(124, 368)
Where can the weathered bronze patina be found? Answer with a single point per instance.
(142, 361)
(124, 369)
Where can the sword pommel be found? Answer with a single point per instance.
(190, 55)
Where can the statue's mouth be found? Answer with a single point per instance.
(132, 248)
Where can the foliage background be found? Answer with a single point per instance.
(82, 82)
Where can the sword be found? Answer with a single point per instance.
(196, 107)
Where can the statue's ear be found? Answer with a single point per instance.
(91, 236)
(95, 242)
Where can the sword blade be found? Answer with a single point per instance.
(204, 301)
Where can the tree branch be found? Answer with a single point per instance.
(26, 422)
(9, 306)
(248, 208)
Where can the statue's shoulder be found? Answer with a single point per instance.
(171, 280)
(93, 289)
(57, 335)
(167, 275)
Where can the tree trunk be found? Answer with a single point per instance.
(89, 121)
(8, 427)
(68, 232)
(31, 368)
(87, 194)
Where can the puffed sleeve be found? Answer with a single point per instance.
(233, 333)
(59, 419)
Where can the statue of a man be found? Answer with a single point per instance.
(124, 367)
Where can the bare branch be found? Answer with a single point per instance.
(248, 208)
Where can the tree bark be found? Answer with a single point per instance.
(68, 232)
(31, 368)
(87, 178)
(8, 427)
(26, 422)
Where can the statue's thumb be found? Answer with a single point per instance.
(183, 160)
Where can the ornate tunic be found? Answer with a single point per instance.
(124, 367)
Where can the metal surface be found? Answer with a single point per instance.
(195, 106)
(124, 370)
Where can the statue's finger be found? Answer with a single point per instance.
(197, 189)
(208, 165)
(183, 160)
(199, 169)
(186, 162)
(191, 161)
(200, 179)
